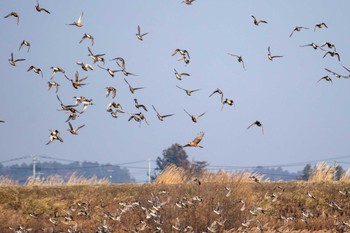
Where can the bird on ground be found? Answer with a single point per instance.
(269, 55)
(85, 66)
(177, 225)
(310, 195)
(194, 118)
(220, 92)
(132, 89)
(188, 92)
(72, 130)
(320, 25)
(161, 117)
(39, 9)
(139, 35)
(111, 90)
(195, 142)
(96, 57)
(257, 123)
(327, 78)
(313, 45)
(257, 22)
(55, 70)
(297, 29)
(110, 72)
(332, 54)
(35, 70)
(255, 179)
(87, 36)
(14, 14)
(54, 135)
(77, 82)
(137, 105)
(25, 43)
(179, 75)
(239, 59)
(13, 61)
(228, 102)
(53, 83)
(78, 23)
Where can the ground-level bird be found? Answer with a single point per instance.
(13, 61)
(25, 43)
(195, 142)
(332, 54)
(297, 29)
(327, 78)
(239, 59)
(179, 75)
(53, 83)
(320, 25)
(257, 123)
(38, 8)
(111, 91)
(132, 89)
(14, 14)
(56, 70)
(78, 23)
(188, 92)
(218, 91)
(76, 83)
(161, 117)
(87, 36)
(228, 102)
(35, 70)
(193, 117)
(54, 135)
(269, 55)
(137, 105)
(257, 22)
(110, 72)
(139, 35)
(85, 66)
(72, 130)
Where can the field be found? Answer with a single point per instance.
(221, 202)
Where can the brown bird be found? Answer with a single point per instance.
(269, 55)
(179, 75)
(196, 141)
(320, 25)
(219, 91)
(327, 78)
(188, 92)
(87, 36)
(126, 73)
(77, 82)
(72, 130)
(14, 14)
(161, 117)
(78, 23)
(38, 8)
(110, 72)
(313, 45)
(297, 29)
(36, 70)
(257, 22)
(111, 90)
(139, 35)
(183, 53)
(239, 59)
(96, 57)
(55, 70)
(25, 43)
(54, 135)
(188, 2)
(257, 123)
(132, 89)
(12, 61)
(228, 102)
(53, 83)
(194, 118)
(137, 105)
(85, 66)
(119, 60)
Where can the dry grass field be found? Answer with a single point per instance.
(176, 202)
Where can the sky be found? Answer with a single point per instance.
(303, 120)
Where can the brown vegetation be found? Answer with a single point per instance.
(213, 200)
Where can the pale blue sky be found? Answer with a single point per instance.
(302, 120)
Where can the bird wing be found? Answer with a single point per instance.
(198, 138)
(187, 113)
(80, 127)
(201, 114)
(70, 126)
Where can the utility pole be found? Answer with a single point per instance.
(149, 171)
(34, 159)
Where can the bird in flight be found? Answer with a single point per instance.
(14, 14)
(87, 36)
(320, 25)
(297, 29)
(110, 72)
(78, 23)
(139, 35)
(77, 82)
(72, 130)
(25, 43)
(132, 89)
(188, 92)
(85, 66)
(220, 92)
(239, 59)
(188, 2)
(111, 90)
(55, 70)
(257, 123)
(327, 78)
(195, 142)
(179, 75)
(137, 105)
(54, 135)
(332, 54)
(228, 102)
(36, 70)
(161, 117)
(257, 22)
(313, 45)
(38, 8)
(13, 61)
(193, 117)
(53, 83)
(269, 55)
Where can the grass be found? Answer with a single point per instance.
(277, 205)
